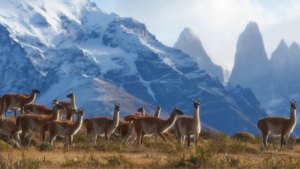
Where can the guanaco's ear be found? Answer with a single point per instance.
(291, 101)
(115, 104)
(193, 100)
(199, 101)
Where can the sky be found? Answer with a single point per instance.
(218, 23)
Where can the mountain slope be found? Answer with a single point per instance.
(251, 64)
(104, 58)
(189, 43)
(274, 82)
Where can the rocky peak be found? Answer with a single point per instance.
(189, 43)
(280, 54)
(251, 63)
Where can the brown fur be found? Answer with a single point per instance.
(103, 125)
(68, 118)
(8, 126)
(124, 130)
(154, 125)
(129, 118)
(2, 104)
(29, 121)
(278, 126)
(67, 105)
(17, 101)
(70, 128)
(189, 125)
(135, 115)
(41, 109)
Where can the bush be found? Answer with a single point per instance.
(202, 157)
(81, 141)
(4, 146)
(244, 136)
(45, 147)
(34, 141)
(29, 163)
(119, 160)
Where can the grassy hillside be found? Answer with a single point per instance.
(216, 150)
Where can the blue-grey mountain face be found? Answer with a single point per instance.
(251, 64)
(189, 43)
(104, 58)
(274, 82)
(17, 71)
(285, 63)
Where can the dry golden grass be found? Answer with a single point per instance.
(215, 150)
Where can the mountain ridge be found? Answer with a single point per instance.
(106, 51)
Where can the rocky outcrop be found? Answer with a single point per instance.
(189, 43)
(251, 64)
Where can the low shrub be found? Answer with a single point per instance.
(244, 136)
(44, 147)
(119, 160)
(202, 157)
(4, 146)
(27, 163)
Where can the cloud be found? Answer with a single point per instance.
(218, 23)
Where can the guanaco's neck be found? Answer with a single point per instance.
(196, 115)
(157, 113)
(293, 115)
(78, 123)
(73, 102)
(143, 113)
(171, 119)
(116, 118)
(69, 115)
(55, 115)
(31, 98)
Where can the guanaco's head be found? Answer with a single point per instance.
(80, 112)
(196, 104)
(71, 95)
(293, 105)
(178, 111)
(26, 93)
(60, 107)
(36, 91)
(141, 109)
(55, 101)
(158, 108)
(117, 107)
(73, 111)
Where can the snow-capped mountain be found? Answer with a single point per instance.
(61, 46)
(189, 43)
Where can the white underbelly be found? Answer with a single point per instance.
(62, 131)
(274, 130)
(98, 130)
(149, 129)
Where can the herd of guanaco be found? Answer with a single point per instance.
(48, 122)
